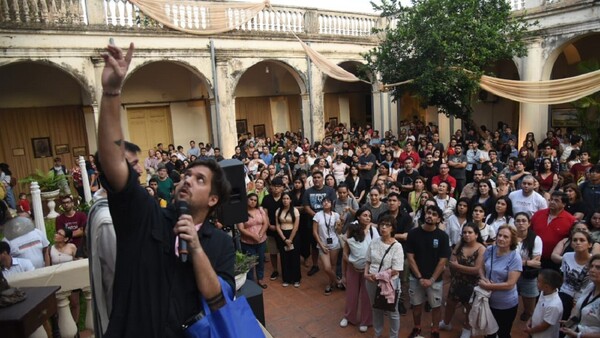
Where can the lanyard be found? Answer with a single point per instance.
(327, 224)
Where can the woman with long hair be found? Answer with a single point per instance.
(287, 220)
(485, 196)
(301, 165)
(594, 222)
(356, 185)
(260, 190)
(586, 313)
(425, 201)
(488, 235)
(565, 246)
(528, 159)
(574, 269)
(375, 205)
(413, 196)
(465, 264)
(502, 214)
(443, 199)
(575, 205)
(530, 247)
(503, 187)
(253, 238)
(330, 181)
(383, 173)
(502, 269)
(359, 236)
(391, 264)
(326, 224)
(546, 177)
(456, 221)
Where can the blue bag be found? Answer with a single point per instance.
(234, 320)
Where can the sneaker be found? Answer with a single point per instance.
(401, 309)
(285, 285)
(465, 333)
(274, 275)
(435, 334)
(416, 332)
(297, 284)
(445, 327)
(344, 322)
(363, 328)
(313, 270)
(328, 290)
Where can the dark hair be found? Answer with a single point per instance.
(389, 219)
(360, 211)
(131, 147)
(575, 188)
(508, 213)
(355, 231)
(68, 232)
(563, 197)
(465, 200)
(529, 241)
(291, 208)
(435, 209)
(553, 278)
(476, 230)
(4, 247)
(219, 184)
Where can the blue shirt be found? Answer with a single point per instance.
(268, 158)
(501, 266)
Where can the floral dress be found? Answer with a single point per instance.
(461, 284)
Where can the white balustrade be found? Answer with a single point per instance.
(85, 180)
(70, 276)
(62, 12)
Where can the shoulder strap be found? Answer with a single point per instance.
(371, 231)
(385, 254)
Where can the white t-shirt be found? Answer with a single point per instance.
(537, 249)
(549, 309)
(575, 276)
(499, 221)
(487, 233)
(30, 246)
(326, 228)
(529, 204)
(358, 250)
(394, 259)
(18, 265)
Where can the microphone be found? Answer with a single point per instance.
(182, 209)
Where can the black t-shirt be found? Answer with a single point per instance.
(154, 293)
(405, 178)
(428, 173)
(271, 205)
(428, 248)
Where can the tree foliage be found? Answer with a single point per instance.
(588, 112)
(435, 41)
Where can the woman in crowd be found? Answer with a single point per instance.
(546, 177)
(160, 201)
(287, 222)
(359, 236)
(383, 173)
(253, 237)
(465, 264)
(330, 181)
(456, 221)
(503, 186)
(326, 224)
(62, 252)
(339, 169)
(255, 161)
(485, 196)
(530, 248)
(528, 160)
(587, 309)
(530, 138)
(413, 196)
(419, 216)
(488, 235)
(301, 165)
(438, 158)
(305, 225)
(259, 190)
(575, 270)
(502, 214)
(375, 206)
(594, 222)
(282, 168)
(502, 269)
(378, 262)
(444, 200)
(565, 246)
(575, 206)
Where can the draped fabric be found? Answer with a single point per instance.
(200, 17)
(328, 67)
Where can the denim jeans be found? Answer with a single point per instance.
(256, 250)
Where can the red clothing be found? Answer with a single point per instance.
(24, 206)
(78, 221)
(578, 170)
(546, 183)
(413, 154)
(438, 178)
(553, 232)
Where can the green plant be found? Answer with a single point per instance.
(588, 113)
(48, 181)
(243, 262)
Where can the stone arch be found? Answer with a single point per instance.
(167, 101)
(268, 98)
(350, 103)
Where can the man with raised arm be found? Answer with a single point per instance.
(154, 292)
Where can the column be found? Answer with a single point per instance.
(318, 114)
(89, 314)
(85, 180)
(227, 130)
(68, 327)
(36, 200)
(307, 127)
(533, 117)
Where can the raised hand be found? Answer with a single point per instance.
(115, 67)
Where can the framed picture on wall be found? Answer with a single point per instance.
(333, 121)
(41, 147)
(79, 151)
(61, 149)
(259, 130)
(18, 151)
(241, 126)
(564, 117)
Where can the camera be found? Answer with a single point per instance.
(329, 240)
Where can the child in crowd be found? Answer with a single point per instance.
(545, 320)
(23, 206)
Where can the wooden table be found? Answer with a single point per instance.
(22, 319)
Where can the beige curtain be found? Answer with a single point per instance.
(326, 66)
(200, 17)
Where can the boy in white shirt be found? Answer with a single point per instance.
(544, 322)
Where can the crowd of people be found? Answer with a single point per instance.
(494, 215)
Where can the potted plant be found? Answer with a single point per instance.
(49, 182)
(243, 264)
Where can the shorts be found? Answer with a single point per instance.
(418, 294)
(528, 287)
(272, 245)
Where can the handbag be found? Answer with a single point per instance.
(529, 272)
(380, 302)
(234, 320)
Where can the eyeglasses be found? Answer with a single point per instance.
(385, 225)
